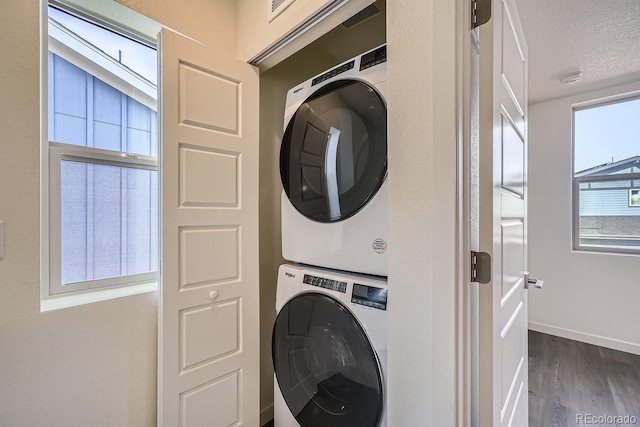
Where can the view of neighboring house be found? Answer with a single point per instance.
(100, 110)
(609, 204)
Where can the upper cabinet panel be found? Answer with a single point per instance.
(269, 31)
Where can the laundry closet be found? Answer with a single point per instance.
(365, 32)
(221, 327)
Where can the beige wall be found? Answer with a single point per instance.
(93, 365)
(337, 46)
(256, 34)
(589, 297)
(422, 205)
(212, 22)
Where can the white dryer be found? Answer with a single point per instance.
(329, 348)
(333, 165)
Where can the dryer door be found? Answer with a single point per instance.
(333, 157)
(325, 365)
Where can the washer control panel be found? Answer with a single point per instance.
(322, 282)
(369, 296)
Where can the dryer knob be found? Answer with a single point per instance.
(213, 294)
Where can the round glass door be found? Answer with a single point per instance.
(333, 157)
(326, 367)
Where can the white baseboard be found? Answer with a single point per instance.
(598, 340)
(266, 415)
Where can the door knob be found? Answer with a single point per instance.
(531, 281)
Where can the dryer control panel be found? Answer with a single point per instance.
(332, 73)
(369, 296)
(321, 282)
(375, 57)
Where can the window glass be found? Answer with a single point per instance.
(88, 112)
(606, 173)
(102, 129)
(634, 197)
(133, 55)
(108, 213)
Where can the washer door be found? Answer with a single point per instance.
(326, 368)
(333, 157)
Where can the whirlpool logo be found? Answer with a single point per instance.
(298, 90)
(290, 276)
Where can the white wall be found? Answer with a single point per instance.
(92, 365)
(421, 37)
(336, 46)
(589, 297)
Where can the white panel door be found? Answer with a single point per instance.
(208, 367)
(503, 218)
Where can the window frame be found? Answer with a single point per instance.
(576, 211)
(59, 152)
(576, 181)
(54, 295)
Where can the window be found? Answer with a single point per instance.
(102, 157)
(634, 197)
(606, 179)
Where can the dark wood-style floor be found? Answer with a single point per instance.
(567, 378)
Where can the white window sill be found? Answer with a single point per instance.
(66, 301)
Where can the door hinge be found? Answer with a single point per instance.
(480, 12)
(480, 267)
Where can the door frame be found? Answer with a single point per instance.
(467, 411)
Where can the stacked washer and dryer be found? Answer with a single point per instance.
(329, 341)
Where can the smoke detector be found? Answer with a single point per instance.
(571, 78)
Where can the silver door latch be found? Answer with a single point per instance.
(531, 281)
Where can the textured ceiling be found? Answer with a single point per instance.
(599, 38)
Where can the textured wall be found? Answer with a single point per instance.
(212, 22)
(256, 33)
(422, 189)
(89, 365)
(93, 365)
(587, 296)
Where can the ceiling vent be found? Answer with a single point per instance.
(365, 13)
(276, 7)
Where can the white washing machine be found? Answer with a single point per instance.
(329, 348)
(333, 165)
